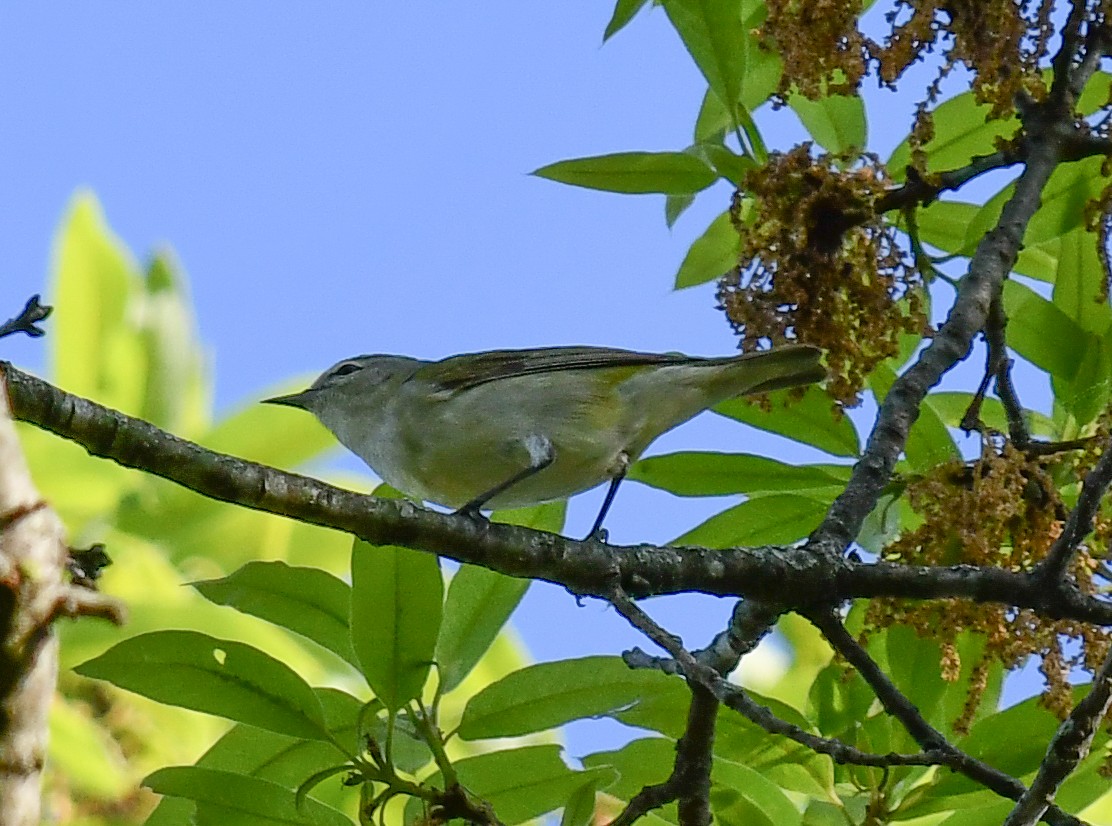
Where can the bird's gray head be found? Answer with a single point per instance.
(352, 386)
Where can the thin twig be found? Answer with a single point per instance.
(1080, 522)
(926, 735)
(32, 312)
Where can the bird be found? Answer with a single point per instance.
(512, 428)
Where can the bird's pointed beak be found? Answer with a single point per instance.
(292, 400)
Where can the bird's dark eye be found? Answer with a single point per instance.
(346, 368)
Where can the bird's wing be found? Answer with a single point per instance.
(472, 369)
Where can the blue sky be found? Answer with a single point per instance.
(348, 177)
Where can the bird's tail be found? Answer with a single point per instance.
(789, 365)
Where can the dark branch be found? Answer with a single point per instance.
(926, 735)
(990, 265)
(785, 576)
(922, 191)
(25, 321)
(1080, 521)
(1068, 748)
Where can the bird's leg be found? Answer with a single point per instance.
(541, 455)
(621, 467)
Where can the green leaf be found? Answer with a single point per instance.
(624, 11)
(727, 163)
(479, 604)
(951, 407)
(249, 799)
(961, 132)
(675, 206)
(221, 677)
(639, 763)
(712, 254)
(1079, 281)
(719, 474)
(836, 122)
(762, 520)
(945, 225)
(93, 350)
(396, 603)
(522, 783)
(580, 807)
(669, 173)
(713, 33)
(307, 601)
(175, 386)
(547, 695)
(734, 783)
(1040, 332)
(813, 420)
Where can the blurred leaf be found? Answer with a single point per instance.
(813, 419)
(836, 122)
(276, 436)
(624, 11)
(675, 206)
(669, 173)
(774, 519)
(547, 695)
(712, 254)
(221, 677)
(720, 474)
(249, 800)
(713, 33)
(176, 394)
(86, 753)
(1085, 393)
(307, 601)
(94, 278)
(397, 598)
(961, 132)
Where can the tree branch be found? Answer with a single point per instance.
(25, 321)
(788, 577)
(1080, 522)
(926, 735)
(1069, 747)
(993, 260)
(33, 592)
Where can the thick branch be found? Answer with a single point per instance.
(33, 592)
(789, 577)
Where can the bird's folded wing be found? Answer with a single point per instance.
(472, 369)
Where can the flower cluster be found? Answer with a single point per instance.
(818, 265)
(1004, 510)
(1000, 41)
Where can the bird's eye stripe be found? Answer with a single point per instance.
(345, 369)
